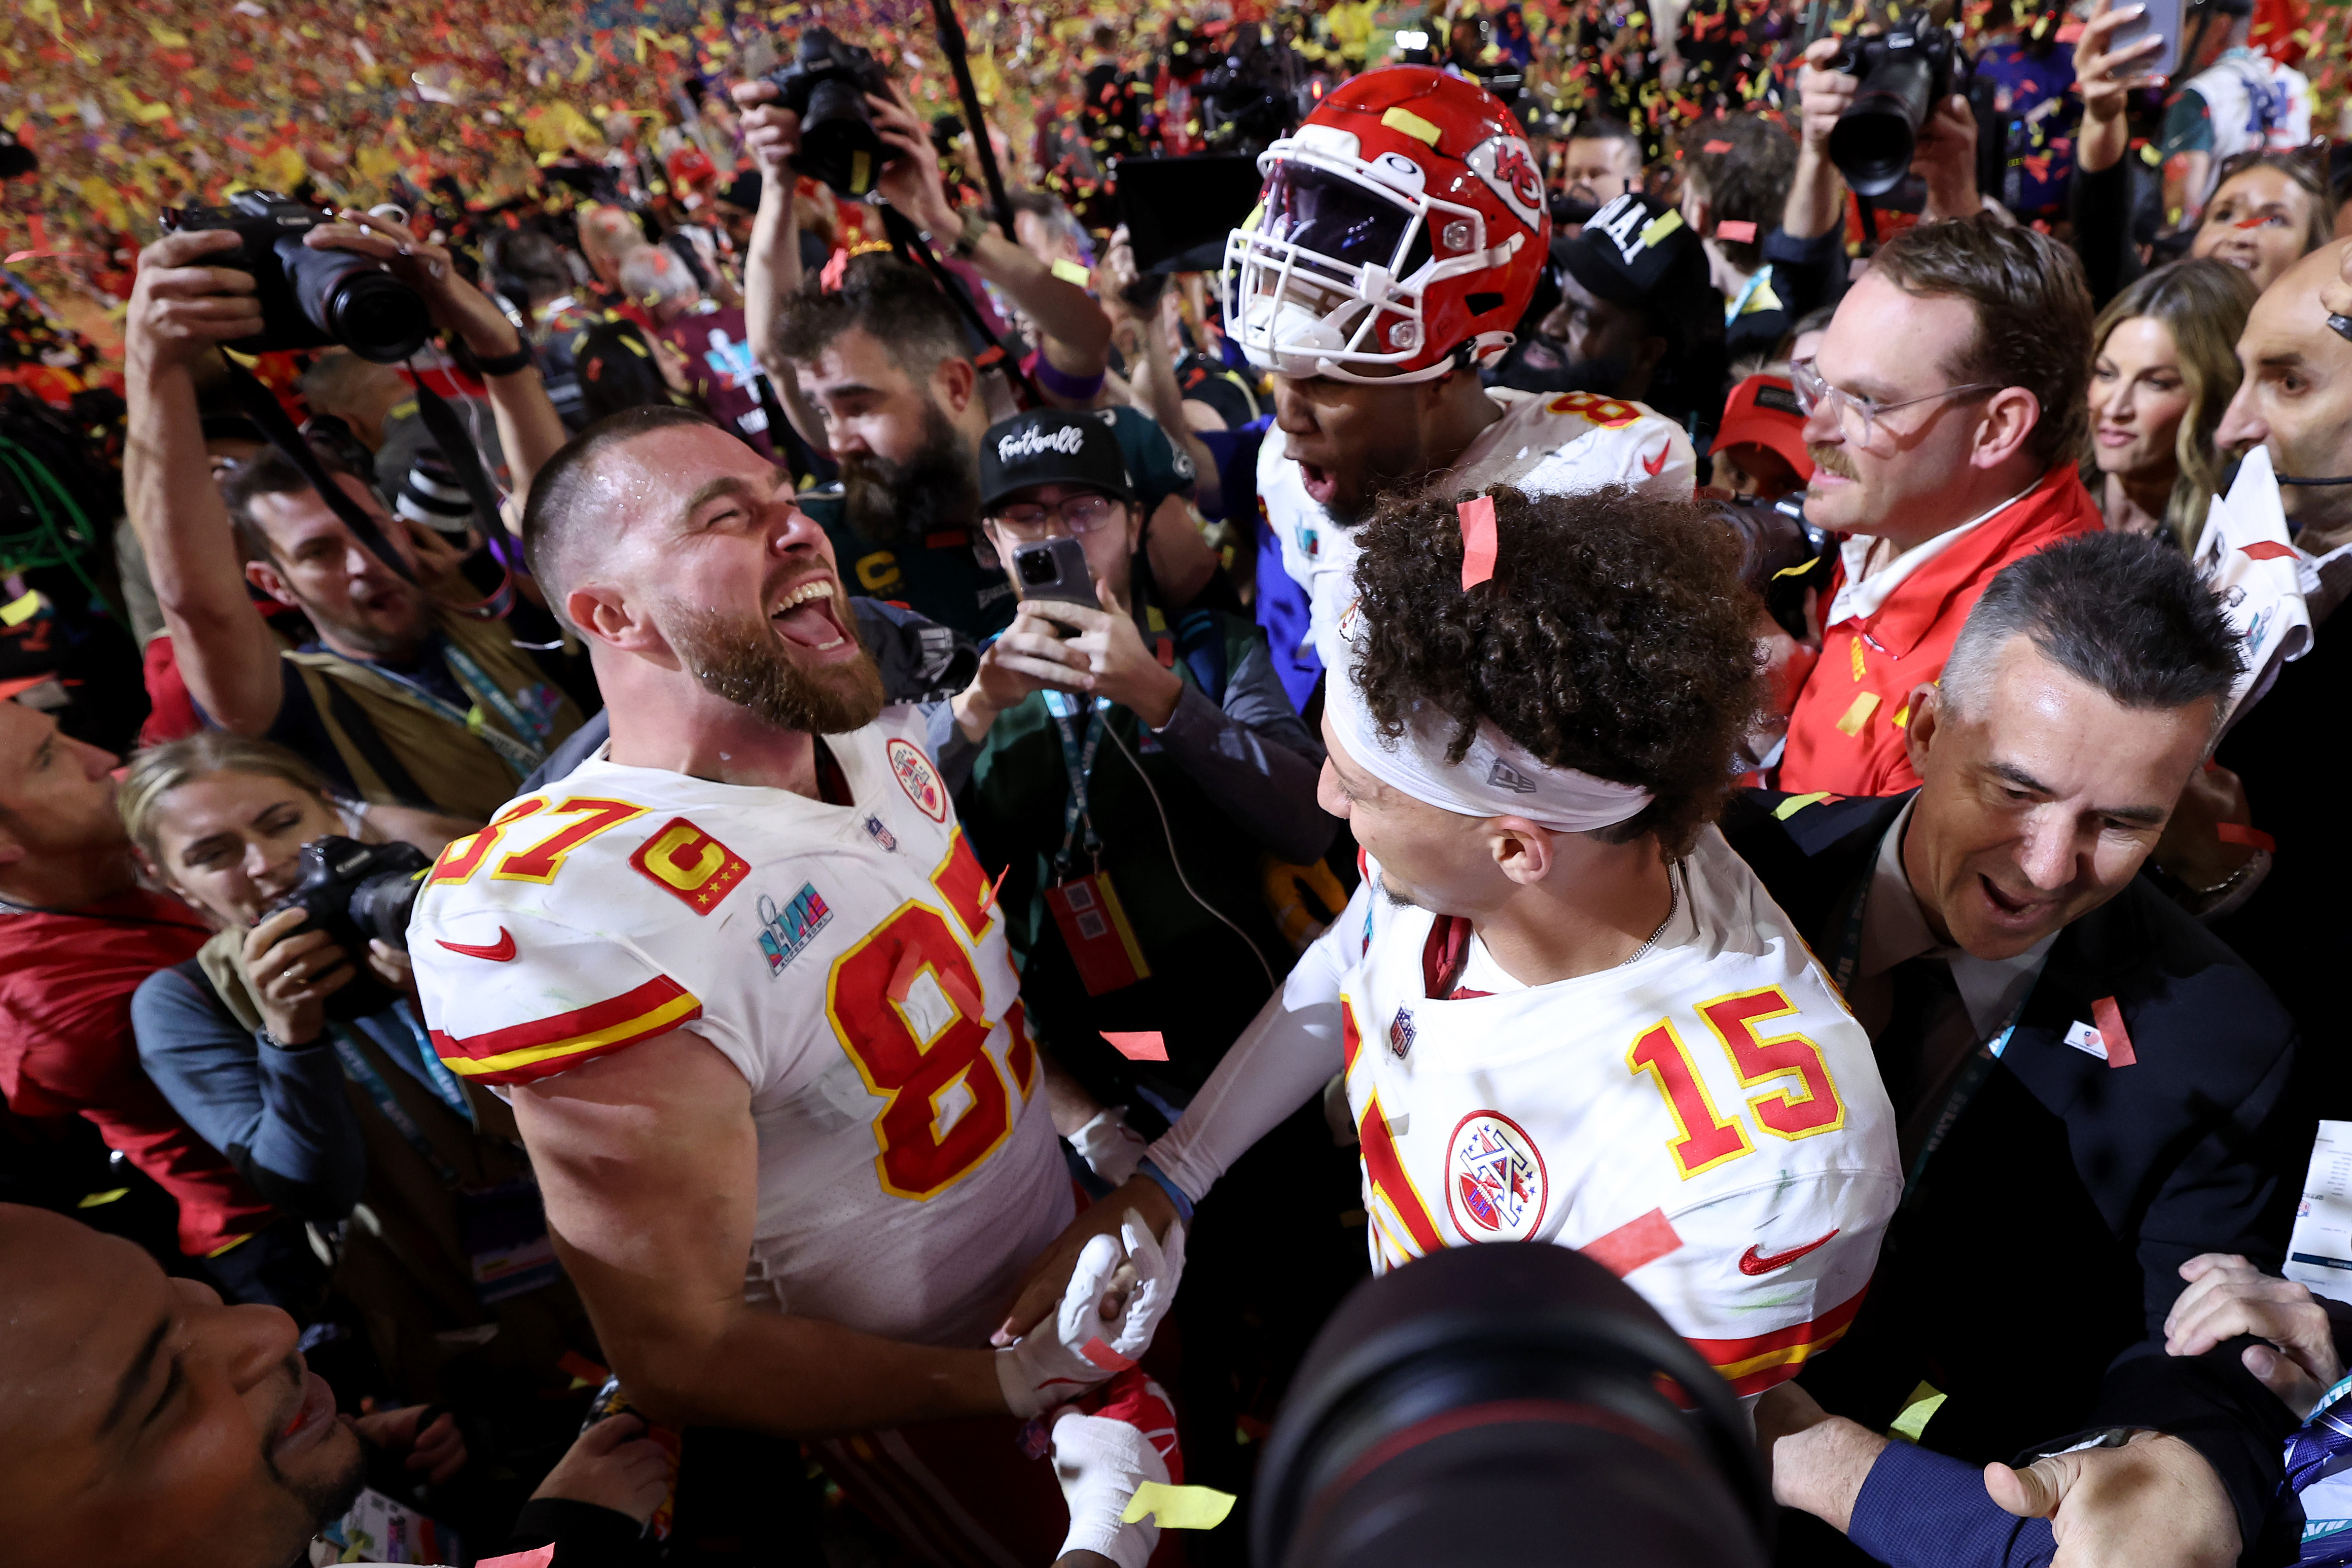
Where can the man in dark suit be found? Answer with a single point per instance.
(2087, 1085)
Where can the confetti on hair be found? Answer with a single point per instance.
(1477, 517)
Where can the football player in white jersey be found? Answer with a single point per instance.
(1564, 1009)
(1398, 242)
(744, 981)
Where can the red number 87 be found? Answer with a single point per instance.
(917, 1161)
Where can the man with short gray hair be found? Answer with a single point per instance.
(2089, 1086)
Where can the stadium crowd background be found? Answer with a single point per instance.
(604, 195)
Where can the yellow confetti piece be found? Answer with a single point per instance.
(1796, 571)
(1902, 719)
(21, 610)
(1855, 648)
(166, 36)
(1411, 124)
(1658, 228)
(1070, 272)
(99, 1200)
(1917, 1412)
(1797, 802)
(1180, 1507)
(1859, 714)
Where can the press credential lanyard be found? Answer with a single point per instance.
(1079, 759)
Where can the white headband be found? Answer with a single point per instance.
(1497, 777)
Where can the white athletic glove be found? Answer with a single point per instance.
(1072, 1351)
(1103, 1448)
(1111, 1148)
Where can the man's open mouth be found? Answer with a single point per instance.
(809, 617)
(1321, 481)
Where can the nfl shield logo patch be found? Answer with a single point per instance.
(1496, 1188)
(1400, 1032)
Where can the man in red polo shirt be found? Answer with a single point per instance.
(1943, 412)
(77, 933)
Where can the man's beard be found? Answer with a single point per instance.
(743, 659)
(886, 500)
(1540, 364)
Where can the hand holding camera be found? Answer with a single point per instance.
(189, 297)
(911, 178)
(771, 130)
(294, 968)
(455, 307)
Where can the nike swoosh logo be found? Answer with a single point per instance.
(1751, 1262)
(1655, 467)
(502, 949)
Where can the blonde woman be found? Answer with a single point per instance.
(2164, 367)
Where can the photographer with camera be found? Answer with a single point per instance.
(293, 1043)
(1941, 141)
(401, 698)
(1214, 769)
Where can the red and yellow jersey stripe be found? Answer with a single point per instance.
(523, 1052)
(1753, 1365)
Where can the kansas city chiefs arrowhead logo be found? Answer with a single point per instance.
(1508, 167)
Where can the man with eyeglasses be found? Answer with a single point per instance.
(1127, 765)
(1943, 412)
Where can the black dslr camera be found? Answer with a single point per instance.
(355, 891)
(311, 297)
(825, 85)
(1904, 74)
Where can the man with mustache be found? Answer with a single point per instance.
(746, 985)
(1943, 410)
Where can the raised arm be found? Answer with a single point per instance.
(181, 305)
(1077, 334)
(1816, 203)
(528, 428)
(772, 268)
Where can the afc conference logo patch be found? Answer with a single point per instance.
(785, 931)
(1496, 1187)
(919, 779)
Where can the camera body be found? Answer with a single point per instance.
(1904, 73)
(309, 298)
(825, 84)
(355, 892)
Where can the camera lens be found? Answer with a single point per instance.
(1873, 140)
(356, 302)
(1035, 563)
(381, 905)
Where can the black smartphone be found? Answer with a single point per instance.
(1056, 569)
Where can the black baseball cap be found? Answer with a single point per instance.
(1636, 250)
(1051, 446)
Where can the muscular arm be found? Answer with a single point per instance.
(648, 1162)
(180, 307)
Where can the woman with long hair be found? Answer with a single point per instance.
(2164, 367)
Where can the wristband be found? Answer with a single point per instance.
(1167, 1184)
(1061, 383)
(505, 364)
(975, 225)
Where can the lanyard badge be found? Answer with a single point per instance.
(1085, 908)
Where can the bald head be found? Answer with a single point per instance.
(608, 235)
(2296, 395)
(584, 498)
(142, 1422)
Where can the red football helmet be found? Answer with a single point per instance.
(1404, 219)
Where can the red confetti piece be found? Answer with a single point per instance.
(2239, 833)
(1737, 231)
(1138, 1046)
(1477, 517)
(2108, 1019)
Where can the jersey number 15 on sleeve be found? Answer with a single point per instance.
(1704, 1140)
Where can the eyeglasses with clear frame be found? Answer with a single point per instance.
(1073, 517)
(1857, 416)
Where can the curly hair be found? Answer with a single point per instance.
(1614, 637)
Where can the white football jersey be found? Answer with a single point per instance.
(847, 958)
(2255, 105)
(1552, 443)
(1707, 1119)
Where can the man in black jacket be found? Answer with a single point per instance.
(2088, 1085)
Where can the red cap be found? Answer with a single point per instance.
(1762, 412)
